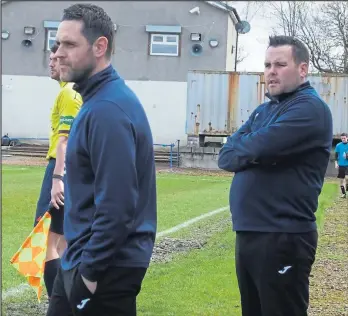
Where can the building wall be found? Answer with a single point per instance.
(131, 46)
(27, 101)
(160, 82)
(231, 45)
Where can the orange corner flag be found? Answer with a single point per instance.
(30, 258)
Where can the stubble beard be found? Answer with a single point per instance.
(78, 75)
(82, 74)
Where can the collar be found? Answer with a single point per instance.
(87, 88)
(283, 96)
(62, 84)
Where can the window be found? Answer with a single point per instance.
(50, 38)
(51, 28)
(164, 45)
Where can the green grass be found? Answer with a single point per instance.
(203, 282)
(179, 199)
(200, 282)
(183, 197)
(325, 200)
(20, 189)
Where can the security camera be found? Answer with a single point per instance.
(195, 10)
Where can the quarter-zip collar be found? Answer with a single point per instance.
(283, 96)
(91, 85)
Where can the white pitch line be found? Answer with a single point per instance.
(18, 290)
(191, 221)
(15, 291)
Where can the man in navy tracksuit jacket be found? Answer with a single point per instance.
(110, 193)
(279, 157)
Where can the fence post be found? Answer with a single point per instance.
(171, 156)
(178, 154)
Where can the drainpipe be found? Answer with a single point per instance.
(236, 54)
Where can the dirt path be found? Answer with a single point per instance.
(329, 282)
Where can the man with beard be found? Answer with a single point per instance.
(279, 157)
(66, 106)
(110, 201)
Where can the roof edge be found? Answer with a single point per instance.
(224, 6)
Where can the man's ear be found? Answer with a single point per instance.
(100, 46)
(303, 70)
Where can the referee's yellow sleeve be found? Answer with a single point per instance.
(69, 105)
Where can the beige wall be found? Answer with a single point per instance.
(231, 42)
(27, 100)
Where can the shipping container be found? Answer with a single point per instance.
(219, 102)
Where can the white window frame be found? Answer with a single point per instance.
(48, 38)
(165, 35)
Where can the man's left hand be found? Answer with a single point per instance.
(91, 286)
(57, 193)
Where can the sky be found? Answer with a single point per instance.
(254, 43)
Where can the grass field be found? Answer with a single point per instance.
(197, 281)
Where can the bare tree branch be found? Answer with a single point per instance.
(241, 55)
(323, 28)
(252, 8)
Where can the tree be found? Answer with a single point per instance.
(241, 55)
(247, 12)
(323, 28)
(251, 9)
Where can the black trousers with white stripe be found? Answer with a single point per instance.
(115, 294)
(273, 271)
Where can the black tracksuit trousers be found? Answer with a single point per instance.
(273, 272)
(115, 294)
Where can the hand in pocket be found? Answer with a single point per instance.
(91, 286)
(81, 297)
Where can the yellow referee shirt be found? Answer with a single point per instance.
(65, 109)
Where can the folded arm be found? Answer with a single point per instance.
(228, 159)
(286, 136)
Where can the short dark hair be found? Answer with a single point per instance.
(54, 48)
(299, 50)
(344, 134)
(96, 23)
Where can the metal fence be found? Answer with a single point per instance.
(218, 103)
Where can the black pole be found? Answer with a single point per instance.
(236, 54)
(178, 154)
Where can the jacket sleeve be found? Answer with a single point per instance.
(228, 159)
(112, 150)
(296, 130)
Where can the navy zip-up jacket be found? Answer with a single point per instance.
(110, 191)
(279, 157)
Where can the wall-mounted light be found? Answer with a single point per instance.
(213, 43)
(196, 37)
(5, 34)
(29, 30)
